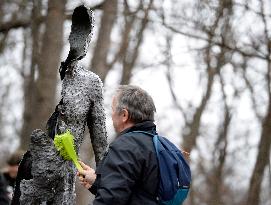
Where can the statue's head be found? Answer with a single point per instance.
(81, 30)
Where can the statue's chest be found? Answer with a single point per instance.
(76, 97)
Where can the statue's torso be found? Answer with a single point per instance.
(78, 97)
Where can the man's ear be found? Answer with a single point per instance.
(125, 115)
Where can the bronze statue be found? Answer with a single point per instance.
(44, 177)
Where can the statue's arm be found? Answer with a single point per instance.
(96, 122)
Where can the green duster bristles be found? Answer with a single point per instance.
(64, 143)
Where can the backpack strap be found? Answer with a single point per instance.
(154, 139)
(145, 192)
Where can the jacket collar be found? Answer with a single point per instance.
(147, 126)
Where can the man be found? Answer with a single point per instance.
(4, 195)
(128, 174)
(8, 178)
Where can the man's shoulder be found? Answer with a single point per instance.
(134, 136)
(8, 179)
(132, 140)
(3, 180)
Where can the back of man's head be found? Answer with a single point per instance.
(15, 158)
(137, 101)
(13, 163)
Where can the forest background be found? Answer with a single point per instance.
(206, 63)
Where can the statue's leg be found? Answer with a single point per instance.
(65, 191)
(53, 178)
(70, 194)
(58, 198)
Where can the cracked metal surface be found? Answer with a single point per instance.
(53, 179)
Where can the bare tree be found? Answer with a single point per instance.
(47, 67)
(29, 75)
(99, 62)
(264, 146)
(131, 39)
(220, 29)
(131, 44)
(3, 96)
(217, 185)
(192, 127)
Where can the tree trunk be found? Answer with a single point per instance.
(261, 161)
(193, 127)
(219, 158)
(29, 83)
(48, 62)
(99, 60)
(264, 147)
(131, 54)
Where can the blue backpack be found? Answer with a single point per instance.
(175, 174)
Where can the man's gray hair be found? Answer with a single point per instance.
(137, 101)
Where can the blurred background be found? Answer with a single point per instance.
(206, 63)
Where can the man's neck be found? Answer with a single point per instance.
(128, 125)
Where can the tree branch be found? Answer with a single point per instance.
(25, 23)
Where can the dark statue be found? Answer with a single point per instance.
(44, 177)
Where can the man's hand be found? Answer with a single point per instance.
(87, 176)
(185, 154)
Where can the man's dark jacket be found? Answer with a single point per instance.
(4, 199)
(128, 174)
